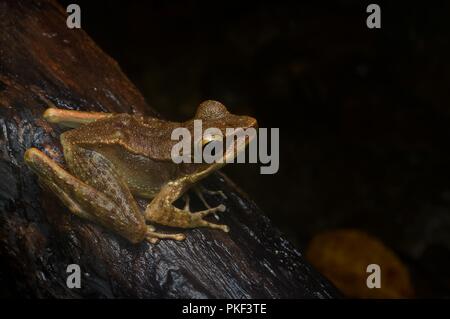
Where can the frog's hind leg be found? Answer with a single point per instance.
(73, 119)
(112, 208)
(49, 172)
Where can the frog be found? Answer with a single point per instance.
(111, 159)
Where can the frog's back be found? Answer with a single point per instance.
(149, 137)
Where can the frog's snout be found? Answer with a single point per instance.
(252, 122)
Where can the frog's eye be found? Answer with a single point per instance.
(214, 142)
(211, 139)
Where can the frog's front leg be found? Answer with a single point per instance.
(162, 211)
(113, 207)
(73, 119)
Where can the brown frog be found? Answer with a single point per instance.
(113, 157)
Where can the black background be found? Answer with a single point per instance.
(363, 114)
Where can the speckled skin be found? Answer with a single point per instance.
(113, 157)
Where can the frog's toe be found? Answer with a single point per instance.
(204, 223)
(220, 193)
(198, 221)
(206, 212)
(153, 237)
(152, 240)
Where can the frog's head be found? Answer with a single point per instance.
(214, 115)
